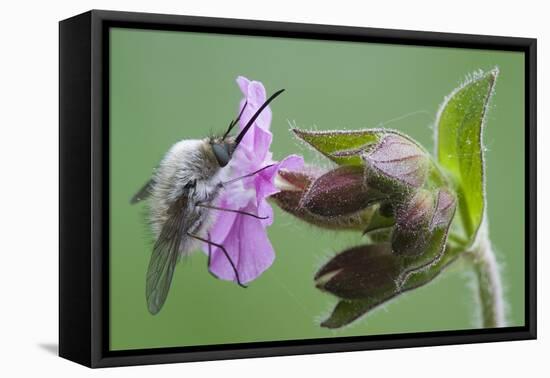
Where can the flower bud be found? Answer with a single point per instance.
(396, 164)
(360, 272)
(341, 191)
(433, 246)
(444, 209)
(412, 228)
(294, 180)
(294, 189)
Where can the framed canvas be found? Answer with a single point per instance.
(235, 188)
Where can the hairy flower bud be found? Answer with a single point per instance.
(360, 272)
(396, 164)
(444, 209)
(433, 246)
(413, 218)
(294, 186)
(341, 191)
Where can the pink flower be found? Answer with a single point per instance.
(245, 237)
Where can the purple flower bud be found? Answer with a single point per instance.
(341, 191)
(418, 218)
(444, 209)
(291, 200)
(413, 219)
(360, 272)
(396, 163)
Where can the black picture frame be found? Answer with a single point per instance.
(84, 187)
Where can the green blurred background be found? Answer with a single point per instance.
(168, 86)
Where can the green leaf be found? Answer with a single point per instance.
(341, 146)
(353, 147)
(346, 311)
(423, 276)
(459, 129)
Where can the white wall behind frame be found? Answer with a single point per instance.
(29, 190)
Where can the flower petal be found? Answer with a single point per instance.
(223, 223)
(265, 180)
(243, 84)
(219, 264)
(266, 211)
(292, 163)
(255, 145)
(256, 254)
(249, 249)
(256, 94)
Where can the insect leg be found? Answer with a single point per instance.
(209, 256)
(231, 211)
(245, 176)
(209, 242)
(209, 251)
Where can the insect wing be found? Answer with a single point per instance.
(143, 193)
(165, 256)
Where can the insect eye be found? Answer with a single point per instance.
(222, 154)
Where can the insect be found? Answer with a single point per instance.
(180, 196)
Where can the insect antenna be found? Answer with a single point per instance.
(255, 116)
(235, 121)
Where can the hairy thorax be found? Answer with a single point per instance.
(188, 170)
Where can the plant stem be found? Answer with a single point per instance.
(489, 283)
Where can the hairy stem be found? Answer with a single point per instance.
(488, 283)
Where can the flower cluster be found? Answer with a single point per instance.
(387, 195)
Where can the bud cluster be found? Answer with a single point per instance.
(389, 198)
